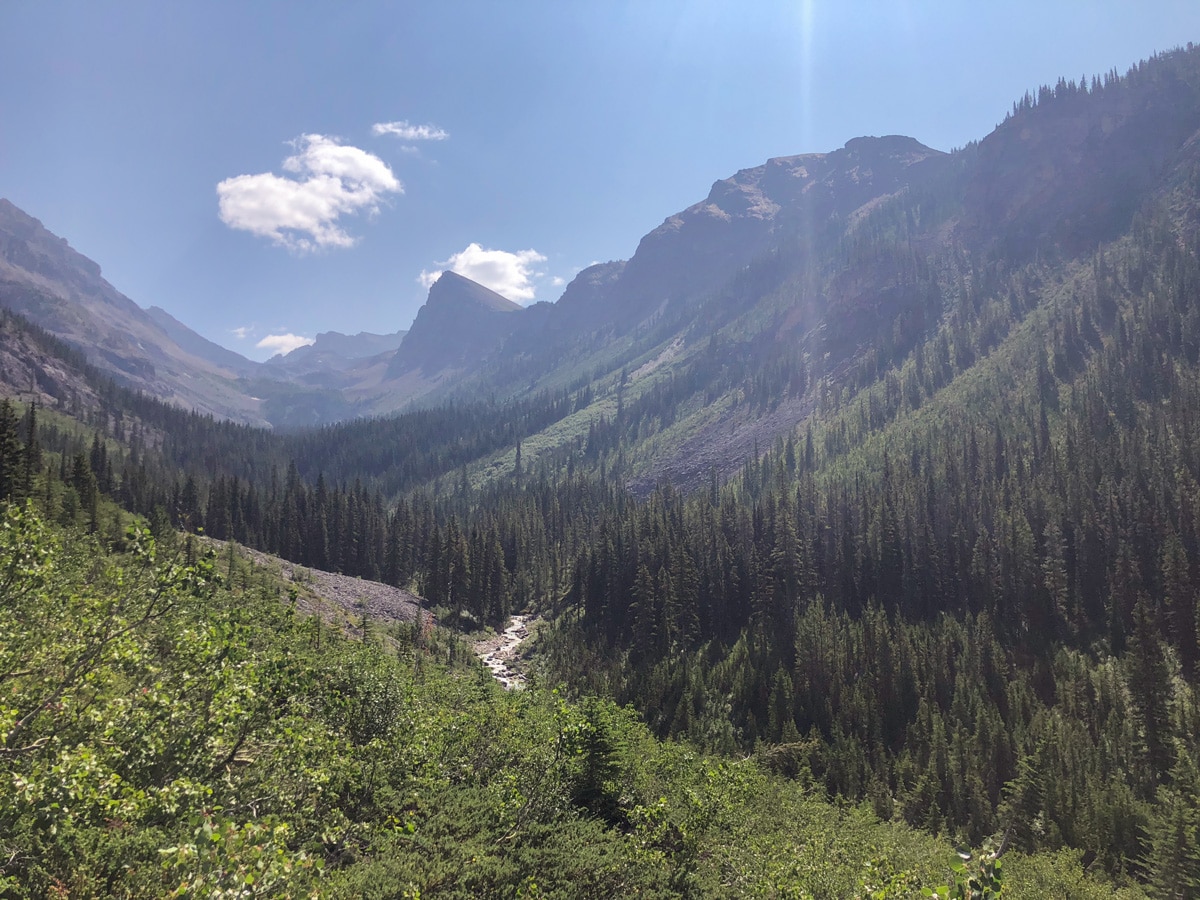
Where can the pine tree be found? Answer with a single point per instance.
(33, 451)
(1173, 862)
(1150, 687)
(12, 466)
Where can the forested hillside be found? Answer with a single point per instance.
(173, 727)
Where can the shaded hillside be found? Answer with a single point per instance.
(1069, 168)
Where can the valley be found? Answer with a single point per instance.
(856, 515)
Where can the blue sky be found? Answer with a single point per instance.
(265, 169)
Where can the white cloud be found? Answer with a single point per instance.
(241, 332)
(407, 132)
(557, 281)
(302, 212)
(511, 275)
(283, 343)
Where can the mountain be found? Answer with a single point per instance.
(460, 322)
(45, 280)
(331, 354)
(352, 346)
(339, 376)
(467, 338)
(200, 346)
(784, 201)
(792, 274)
(63, 292)
(586, 297)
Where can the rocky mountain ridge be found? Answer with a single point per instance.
(778, 266)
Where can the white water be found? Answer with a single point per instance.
(498, 657)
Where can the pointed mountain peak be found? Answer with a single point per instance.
(460, 323)
(452, 289)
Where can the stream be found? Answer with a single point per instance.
(497, 652)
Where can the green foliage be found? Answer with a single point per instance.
(167, 732)
(974, 879)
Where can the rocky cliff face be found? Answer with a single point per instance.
(461, 323)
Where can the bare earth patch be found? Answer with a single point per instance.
(339, 599)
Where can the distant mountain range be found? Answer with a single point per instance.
(778, 266)
(464, 331)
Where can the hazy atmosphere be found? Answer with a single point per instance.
(267, 171)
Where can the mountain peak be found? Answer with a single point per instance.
(458, 290)
(754, 210)
(888, 144)
(461, 322)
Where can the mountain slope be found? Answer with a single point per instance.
(785, 201)
(811, 273)
(201, 347)
(53, 286)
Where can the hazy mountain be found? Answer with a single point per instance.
(62, 291)
(200, 346)
(351, 346)
(460, 323)
(330, 355)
